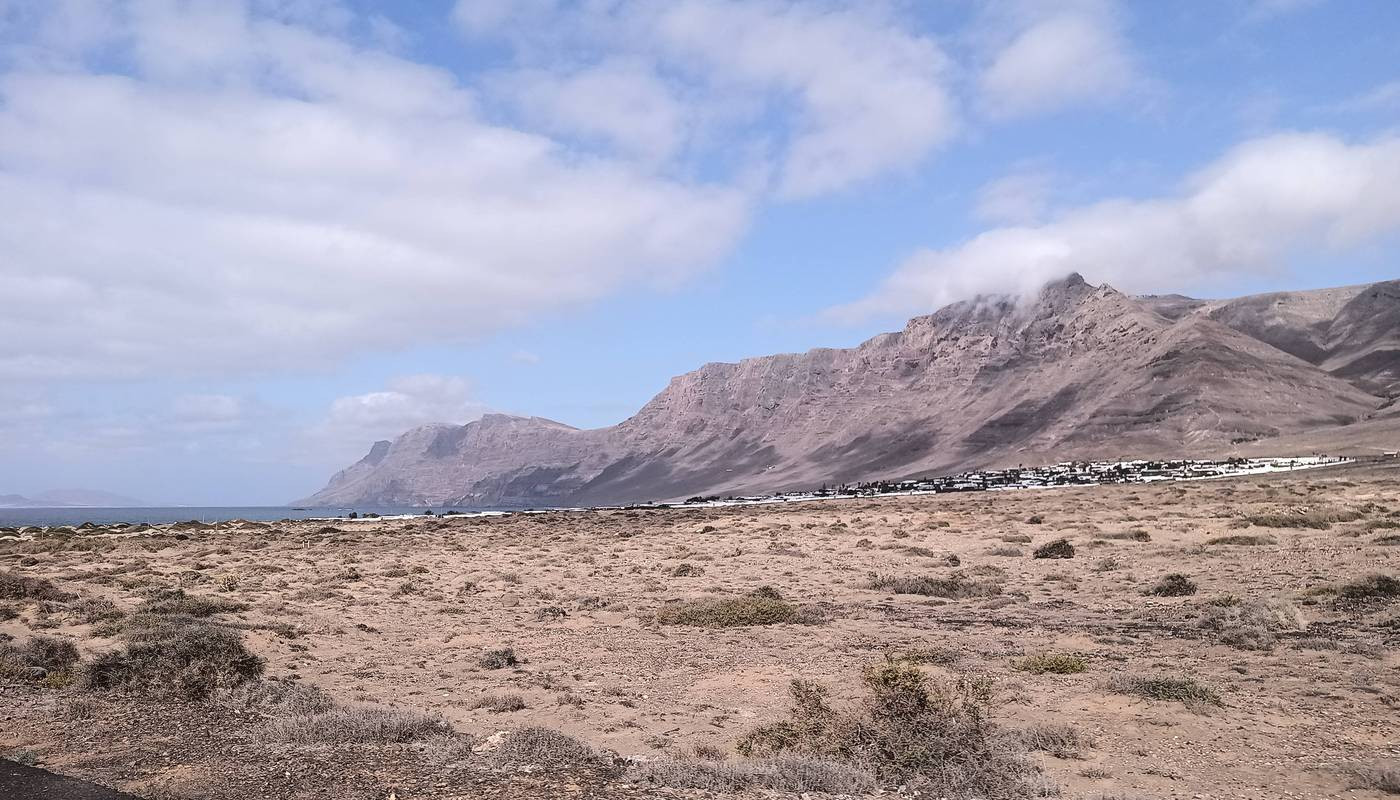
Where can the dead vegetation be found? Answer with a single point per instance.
(545, 748)
(1320, 519)
(1375, 587)
(1156, 687)
(755, 608)
(933, 736)
(1173, 584)
(1059, 548)
(1055, 663)
(1385, 779)
(1249, 624)
(356, 724)
(780, 774)
(644, 639)
(1243, 539)
(19, 587)
(954, 586)
(178, 656)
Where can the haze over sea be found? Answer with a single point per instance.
(16, 517)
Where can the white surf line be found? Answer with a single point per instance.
(1257, 466)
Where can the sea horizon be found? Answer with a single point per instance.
(156, 515)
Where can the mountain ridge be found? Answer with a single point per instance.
(1077, 371)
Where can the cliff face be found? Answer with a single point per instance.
(1078, 371)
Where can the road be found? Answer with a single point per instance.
(20, 782)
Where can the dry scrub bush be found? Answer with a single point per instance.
(1057, 663)
(1314, 518)
(1245, 539)
(546, 748)
(1184, 690)
(1135, 535)
(19, 587)
(174, 601)
(499, 659)
(39, 658)
(935, 737)
(1061, 741)
(955, 586)
(757, 608)
(178, 656)
(783, 774)
(1383, 779)
(1249, 624)
(356, 724)
(500, 703)
(1059, 548)
(1173, 585)
(274, 698)
(1372, 587)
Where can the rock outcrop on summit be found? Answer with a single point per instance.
(1078, 371)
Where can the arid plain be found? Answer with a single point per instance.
(1230, 638)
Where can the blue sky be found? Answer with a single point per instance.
(246, 238)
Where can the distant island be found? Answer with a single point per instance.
(71, 498)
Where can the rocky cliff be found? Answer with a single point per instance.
(1077, 371)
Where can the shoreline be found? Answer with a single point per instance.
(1071, 474)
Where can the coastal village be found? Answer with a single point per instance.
(1066, 473)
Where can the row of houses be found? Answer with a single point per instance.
(1067, 473)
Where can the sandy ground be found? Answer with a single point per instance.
(401, 612)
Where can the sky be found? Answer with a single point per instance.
(241, 240)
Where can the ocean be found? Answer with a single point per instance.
(16, 517)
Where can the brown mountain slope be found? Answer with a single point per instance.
(1353, 332)
(1078, 371)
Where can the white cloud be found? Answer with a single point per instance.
(622, 101)
(1245, 213)
(1074, 56)
(261, 194)
(1019, 197)
(524, 357)
(858, 95)
(1378, 99)
(259, 185)
(871, 92)
(353, 422)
